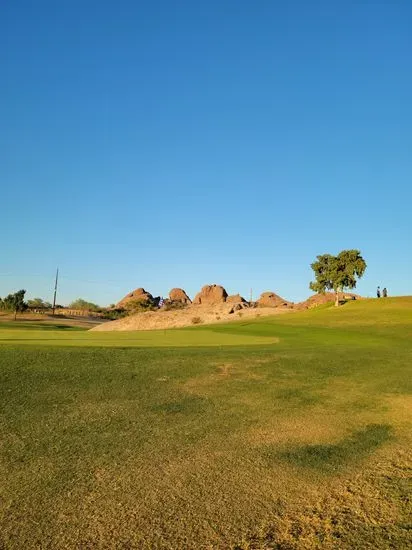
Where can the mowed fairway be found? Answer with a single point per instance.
(287, 432)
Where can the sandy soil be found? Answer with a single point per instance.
(219, 313)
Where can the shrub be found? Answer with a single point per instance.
(170, 305)
(113, 314)
(84, 305)
(139, 306)
(196, 320)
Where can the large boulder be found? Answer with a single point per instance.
(270, 299)
(138, 295)
(179, 295)
(235, 299)
(211, 294)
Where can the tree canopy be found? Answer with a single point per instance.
(14, 302)
(337, 272)
(83, 305)
(39, 303)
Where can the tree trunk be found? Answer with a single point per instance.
(336, 298)
(15, 314)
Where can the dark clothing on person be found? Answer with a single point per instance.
(378, 292)
(384, 293)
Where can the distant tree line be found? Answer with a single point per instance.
(17, 304)
(83, 305)
(38, 303)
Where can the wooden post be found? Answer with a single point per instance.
(55, 290)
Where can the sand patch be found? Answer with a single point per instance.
(192, 315)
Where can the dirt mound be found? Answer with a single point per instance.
(191, 315)
(270, 299)
(179, 295)
(210, 294)
(138, 295)
(235, 299)
(319, 299)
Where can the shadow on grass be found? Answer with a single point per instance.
(328, 458)
(296, 397)
(36, 325)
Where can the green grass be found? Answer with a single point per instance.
(288, 432)
(63, 336)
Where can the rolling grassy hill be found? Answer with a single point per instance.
(289, 432)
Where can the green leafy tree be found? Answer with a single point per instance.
(38, 303)
(335, 273)
(84, 305)
(15, 302)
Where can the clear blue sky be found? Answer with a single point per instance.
(183, 143)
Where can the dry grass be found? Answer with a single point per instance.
(217, 313)
(302, 445)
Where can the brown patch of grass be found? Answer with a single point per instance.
(368, 510)
(312, 427)
(399, 408)
(224, 372)
(202, 500)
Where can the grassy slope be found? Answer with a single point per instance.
(303, 443)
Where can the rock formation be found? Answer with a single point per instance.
(270, 299)
(138, 295)
(179, 295)
(211, 294)
(235, 299)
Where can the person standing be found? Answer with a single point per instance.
(384, 293)
(378, 292)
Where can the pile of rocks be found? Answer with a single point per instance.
(270, 299)
(209, 295)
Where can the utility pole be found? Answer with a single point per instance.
(251, 296)
(55, 290)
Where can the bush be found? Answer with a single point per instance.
(196, 320)
(113, 314)
(170, 305)
(83, 305)
(140, 306)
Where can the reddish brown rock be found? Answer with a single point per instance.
(235, 299)
(270, 299)
(211, 294)
(138, 295)
(179, 295)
